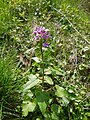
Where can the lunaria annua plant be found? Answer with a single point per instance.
(41, 34)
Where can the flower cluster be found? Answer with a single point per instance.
(41, 32)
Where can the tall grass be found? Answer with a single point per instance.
(9, 82)
(17, 19)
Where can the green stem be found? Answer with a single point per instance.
(1, 109)
(42, 65)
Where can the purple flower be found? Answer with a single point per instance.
(46, 44)
(41, 32)
(36, 37)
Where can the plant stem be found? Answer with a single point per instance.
(42, 65)
(1, 109)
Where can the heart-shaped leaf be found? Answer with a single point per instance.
(48, 80)
(27, 106)
(33, 80)
(61, 92)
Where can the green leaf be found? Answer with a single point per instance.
(33, 80)
(54, 116)
(65, 101)
(48, 71)
(70, 91)
(47, 116)
(48, 80)
(58, 71)
(42, 96)
(85, 118)
(27, 106)
(61, 92)
(55, 108)
(87, 114)
(42, 106)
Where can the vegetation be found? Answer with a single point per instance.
(44, 60)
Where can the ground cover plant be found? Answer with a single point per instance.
(44, 60)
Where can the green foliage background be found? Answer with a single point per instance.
(66, 94)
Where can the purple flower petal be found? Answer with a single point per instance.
(35, 37)
(35, 32)
(41, 32)
(47, 36)
(46, 45)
